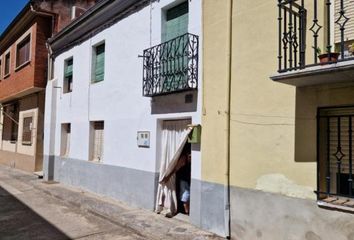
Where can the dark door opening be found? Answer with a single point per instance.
(183, 181)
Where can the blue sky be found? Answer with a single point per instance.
(9, 10)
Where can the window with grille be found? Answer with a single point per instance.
(68, 75)
(27, 131)
(23, 52)
(7, 64)
(65, 139)
(335, 155)
(98, 63)
(97, 137)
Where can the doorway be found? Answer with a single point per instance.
(174, 168)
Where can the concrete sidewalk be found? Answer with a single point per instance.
(70, 213)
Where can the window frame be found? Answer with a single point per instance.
(64, 145)
(1, 65)
(325, 193)
(30, 142)
(21, 41)
(7, 74)
(164, 18)
(66, 81)
(94, 62)
(93, 125)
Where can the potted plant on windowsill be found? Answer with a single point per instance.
(326, 58)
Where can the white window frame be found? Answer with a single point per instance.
(92, 147)
(65, 140)
(18, 42)
(8, 52)
(64, 77)
(93, 61)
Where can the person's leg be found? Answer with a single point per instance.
(186, 196)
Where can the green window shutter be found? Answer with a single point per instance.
(99, 64)
(176, 23)
(68, 68)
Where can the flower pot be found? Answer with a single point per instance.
(327, 58)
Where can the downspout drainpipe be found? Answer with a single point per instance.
(228, 160)
(49, 172)
(50, 62)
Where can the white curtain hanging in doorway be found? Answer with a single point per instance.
(174, 137)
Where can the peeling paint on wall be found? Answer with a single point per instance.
(278, 183)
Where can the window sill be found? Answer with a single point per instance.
(96, 161)
(7, 75)
(96, 81)
(341, 204)
(26, 143)
(22, 66)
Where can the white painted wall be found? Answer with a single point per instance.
(118, 100)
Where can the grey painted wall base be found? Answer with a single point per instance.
(254, 214)
(48, 168)
(138, 188)
(207, 207)
(261, 215)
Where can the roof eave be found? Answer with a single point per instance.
(27, 14)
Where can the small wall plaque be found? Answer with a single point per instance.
(143, 139)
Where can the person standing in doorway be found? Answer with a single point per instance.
(184, 177)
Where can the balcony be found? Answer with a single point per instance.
(171, 66)
(315, 42)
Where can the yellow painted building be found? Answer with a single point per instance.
(276, 141)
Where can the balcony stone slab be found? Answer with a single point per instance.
(339, 72)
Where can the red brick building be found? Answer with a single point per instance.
(23, 77)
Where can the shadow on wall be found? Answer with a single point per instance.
(308, 100)
(17, 221)
(175, 103)
(305, 125)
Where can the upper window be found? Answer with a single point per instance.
(98, 63)
(176, 22)
(68, 75)
(23, 52)
(7, 64)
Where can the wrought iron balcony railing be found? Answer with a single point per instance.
(171, 66)
(309, 29)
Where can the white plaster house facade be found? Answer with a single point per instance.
(93, 115)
